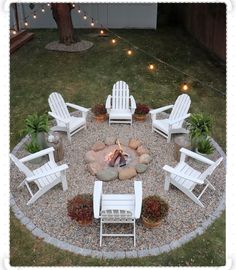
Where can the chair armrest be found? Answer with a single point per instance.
(138, 198)
(196, 156)
(162, 109)
(66, 121)
(77, 107)
(132, 104)
(108, 103)
(182, 175)
(38, 154)
(97, 196)
(179, 119)
(52, 171)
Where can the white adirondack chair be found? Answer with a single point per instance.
(185, 178)
(173, 124)
(45, 177)
(120, 106)
(117, 208)
(66, 122)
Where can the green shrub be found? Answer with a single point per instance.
(205, 146)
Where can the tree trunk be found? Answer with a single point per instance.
(62, 16)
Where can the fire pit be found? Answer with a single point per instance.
(110, 160)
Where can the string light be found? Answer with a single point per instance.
(34, 16)
(43, 10)
(79, 10)
(101, 32)
(185, 87)
(14, 32)
(48, 4)
(26, 23)
(129, 52)
(113, 41)
(85, 16)
(73, 5)
(92, 23)
(151, 66)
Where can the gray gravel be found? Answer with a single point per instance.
(50, 215)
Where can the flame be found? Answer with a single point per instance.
(119, 145)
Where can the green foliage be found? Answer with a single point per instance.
(205, 146)
(35, 124)
(200, 126)
(33, 146)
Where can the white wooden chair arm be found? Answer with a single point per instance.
(162, 109)
(108, 103)
(77, 107)
(97, 196)
(132, 102)
(172, 122)
(138, 198)
(52, 171)
(38, 154)
(196, 156)
(182, 175)
(66, 121)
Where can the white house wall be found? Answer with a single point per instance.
(127, 15)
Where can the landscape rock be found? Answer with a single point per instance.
(90, 156)
(142, 150)
(107, 174)
(134, 143)
(98, 146)
(141, 168)
(145, 159)
(94, 168)
(127, 173)
(110, 141)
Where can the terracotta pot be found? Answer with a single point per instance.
(101, 117)
(150, 224)
(140, 117)
(84, 223)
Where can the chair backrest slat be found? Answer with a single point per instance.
(181, 107)
(58, 105)
(120, 96)
(21, 166)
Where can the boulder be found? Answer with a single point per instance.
(98, 146)
(141, 168)
(127, 173)
(107, 174)
(110, 141)
(90, 156)
(145, 159)
(123, 141)
(134, 144)
(94, 167)
(142, 150)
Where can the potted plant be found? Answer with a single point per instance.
(80, 209)
(141, 112)
(36, 126)
(204, 146)
(154, 209)
(33, 147)
(100, 112)
(200, 126)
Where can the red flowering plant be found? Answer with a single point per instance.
(154, 208)
(80, 208)
(142, 109)
(99, 109)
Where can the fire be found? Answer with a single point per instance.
(109, 156)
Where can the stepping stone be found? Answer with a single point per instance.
(108, 174)
(127, 173)
(98, 146)
(134, 144)
(141, 168)
(145, 159)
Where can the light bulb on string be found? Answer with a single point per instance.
(14, 32)
(185, 87)
(73, 5)
(26, 23)
(43, 10)
(34, 16)
(101, 32)
(151, 66)
(79, 10)
(113, 41)
(48, 4)
(92, 23)
(129, 52)
(85, 16)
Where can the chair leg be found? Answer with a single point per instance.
(100, 233)
(169, 138)
(134, 235)
(69, 136)
(35, 197)
(64, 181)
(167, 183)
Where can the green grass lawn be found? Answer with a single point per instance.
(86, 79)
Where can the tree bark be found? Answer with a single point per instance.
(62, 16)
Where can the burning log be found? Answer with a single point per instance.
(119, 153)
(114, 158)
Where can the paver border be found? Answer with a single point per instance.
(117, 254)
